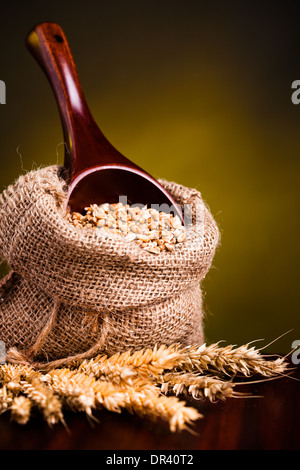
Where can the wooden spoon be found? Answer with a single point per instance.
(95, 171)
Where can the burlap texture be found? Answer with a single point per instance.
(75, 291)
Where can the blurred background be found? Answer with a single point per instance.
(195, 92)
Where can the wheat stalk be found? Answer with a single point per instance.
(137, 381)
(83, 392)
(228, 360)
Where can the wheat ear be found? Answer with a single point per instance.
(20, 409)
(198, 386)
(145, 362)
(230, 360)
(42, 396)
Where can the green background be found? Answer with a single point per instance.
(192, 91)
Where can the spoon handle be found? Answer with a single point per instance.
(49, 46)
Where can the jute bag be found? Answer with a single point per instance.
(72, 293)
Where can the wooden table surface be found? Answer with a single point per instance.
(270, 422)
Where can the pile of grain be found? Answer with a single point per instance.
(153, 230)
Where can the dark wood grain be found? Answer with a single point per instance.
(270, 422)
(96, 171)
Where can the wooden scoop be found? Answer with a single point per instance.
(95, 171)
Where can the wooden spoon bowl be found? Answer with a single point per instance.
(96, 172)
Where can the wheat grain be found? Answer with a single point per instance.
(153, 230)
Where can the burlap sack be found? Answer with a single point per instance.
(75, 292)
